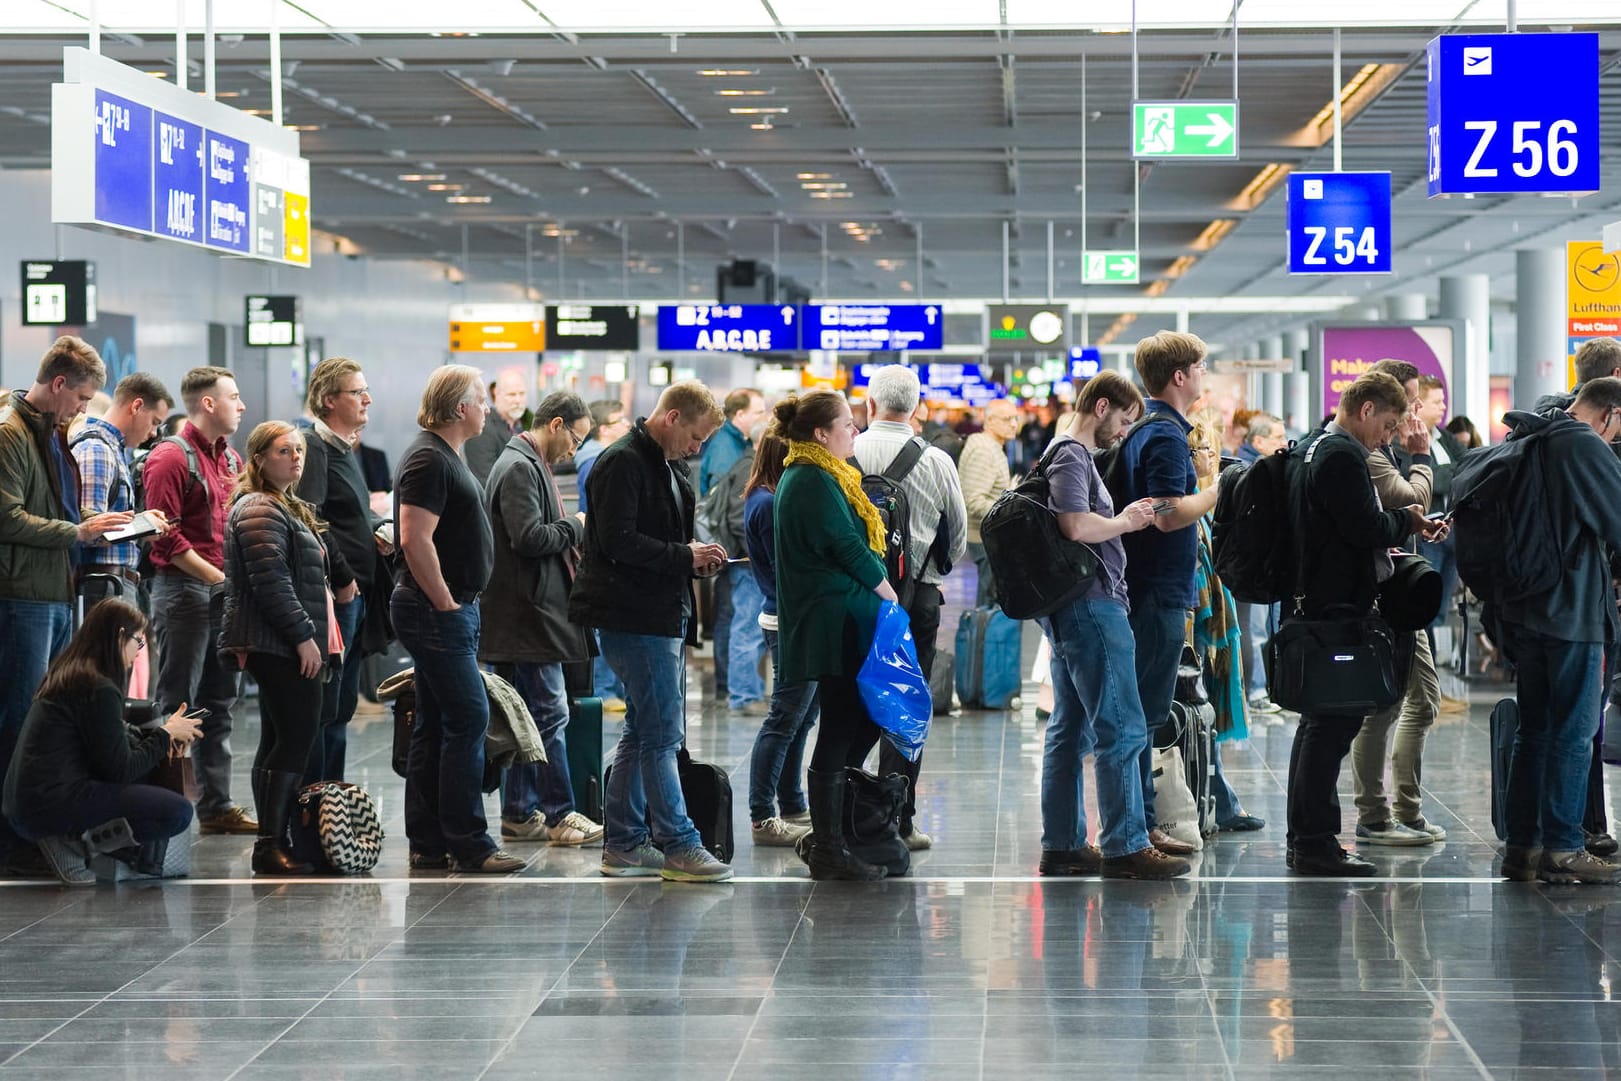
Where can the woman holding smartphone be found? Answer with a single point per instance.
(79, 766)
(278, 614)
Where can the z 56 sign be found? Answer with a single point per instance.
(1513, 113)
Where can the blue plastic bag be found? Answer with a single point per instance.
(892, 685)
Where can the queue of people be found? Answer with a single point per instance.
(275, 562)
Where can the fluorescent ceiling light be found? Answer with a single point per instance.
(1355, 95)
(1183, 264)
(721, 72)
(422, 176)
(446, 187)
(757, 110)
(1213, 234)
(1157, 288)
(747, 93)
(813, 176)
(467, 198)
(1256, 191)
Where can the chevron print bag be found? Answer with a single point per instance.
(337, 828)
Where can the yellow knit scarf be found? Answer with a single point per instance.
(849, 481)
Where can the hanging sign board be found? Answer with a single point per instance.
(1184, 129)
(729, 328)
(1109, 267)
(1339, 223)
(131, 153)
(1513, 113)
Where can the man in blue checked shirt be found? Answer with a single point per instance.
(102, 449)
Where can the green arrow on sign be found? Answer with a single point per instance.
(1184, 129)
(1109, 267)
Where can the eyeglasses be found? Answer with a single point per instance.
(140, 642)
(578, 441)
(358, 392)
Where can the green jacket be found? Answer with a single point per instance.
(826, 574)
(36, 537)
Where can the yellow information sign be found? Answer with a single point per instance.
(295, 228)
(1592, 297)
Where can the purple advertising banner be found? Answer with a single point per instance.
(1351, 350)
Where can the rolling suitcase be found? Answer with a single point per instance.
(989, 666)
(91, 589)
(1505, 724)
(584, 739)
(942, 677)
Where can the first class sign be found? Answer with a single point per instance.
(131, 153)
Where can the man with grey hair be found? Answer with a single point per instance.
(509, 416)
(939, 536)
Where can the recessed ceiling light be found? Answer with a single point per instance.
(813, 176)
(467, 198)
(727, 71)
(446, 187)
(746, 93)
(422, 176)
(757, 110)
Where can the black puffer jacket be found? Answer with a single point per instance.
(275, 580)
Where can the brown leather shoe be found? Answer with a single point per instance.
(1168, 844)
(1150, 863)
(1087, 860)
(233, 819)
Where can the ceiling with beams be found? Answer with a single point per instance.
(600, 150)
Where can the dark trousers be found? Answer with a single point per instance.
(846, 732)
(153, 814)
(722, 630)
(289, 713)
(924, 610)
(1321, 744)
(189, 671)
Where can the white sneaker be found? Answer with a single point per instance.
(1392, 833)
(574, 830)
(532, 828)
(1419, 824)
(917, 840)
(777, 833)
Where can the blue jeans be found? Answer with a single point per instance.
(1444, 557)
(1255, 622)
(778, 761)
(747, 645)
(540, 786)
(339, 698)
(604, 684)
(1560, 689)
(1095, 709)
(444, 797)
(644, 780)
(1160, 634)
(31, 633)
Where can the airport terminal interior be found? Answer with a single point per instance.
(616, 195)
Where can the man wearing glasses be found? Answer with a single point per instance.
(340, 401)
(1154, 464)
(1558, 638)
(526, 631)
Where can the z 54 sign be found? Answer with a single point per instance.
(1513, 113)
(1339, 223)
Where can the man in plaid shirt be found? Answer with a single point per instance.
(102, 450)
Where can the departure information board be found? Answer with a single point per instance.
(873, 328)
(729, 328)
(136, 154)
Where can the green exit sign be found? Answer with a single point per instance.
(1109, 267)
(1184, 129)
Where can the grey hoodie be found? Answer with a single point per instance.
(1583, 501)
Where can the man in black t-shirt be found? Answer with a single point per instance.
(449, 550)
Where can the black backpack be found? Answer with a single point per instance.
(895, 511)
(1507, 544)
(1250, 531)
(1037, 569)
(1111, 461)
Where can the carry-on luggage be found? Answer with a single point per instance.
(989, 666)
(707, 790)
(872, 816)
(336, 828)
(1505, 725)
(1191, 727)
(584, 739)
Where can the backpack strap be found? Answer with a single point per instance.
(902, 465)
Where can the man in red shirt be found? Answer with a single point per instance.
(190, 477)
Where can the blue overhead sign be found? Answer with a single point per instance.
(873, 328)
(1513, 113)
(1339, 223)
(1085, 361)
(177, 176)
(123, 161)
(728, 328)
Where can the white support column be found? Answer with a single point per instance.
(1539, 309)
(1469, 297)
(1406, 307)
(1271, 382)
(1297, 387)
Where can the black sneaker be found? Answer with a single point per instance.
(1601, 844)
(1332, 863)
(1074, 861)
(424, 861)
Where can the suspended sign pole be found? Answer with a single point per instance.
(1338, 116)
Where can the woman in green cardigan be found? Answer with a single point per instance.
(830, 580)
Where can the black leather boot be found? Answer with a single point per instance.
(830, 857)
(276, 793)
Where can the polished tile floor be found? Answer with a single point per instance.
(972, 968)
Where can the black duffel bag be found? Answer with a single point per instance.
(1344, 664)
(872, 815)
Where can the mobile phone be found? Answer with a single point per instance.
(197, 715)
(737, 562)
(1439, 516)
(1163, 506)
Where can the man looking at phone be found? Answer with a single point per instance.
(101, 451)
(1416, 712)
(1160, 561)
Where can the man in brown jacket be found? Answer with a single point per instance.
(1416, 712)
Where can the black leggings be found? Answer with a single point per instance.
(846, 733)
(289, 713)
